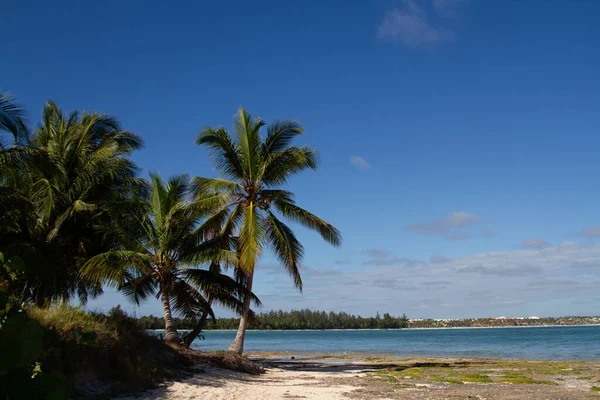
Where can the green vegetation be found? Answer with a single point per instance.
(484, 371)
(107, 351)
(161, 249)
(251, 197)
(22, 345)
(73, 207)
(295, 319)
(59, 186)
(76, 217)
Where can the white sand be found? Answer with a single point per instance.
(221, 384)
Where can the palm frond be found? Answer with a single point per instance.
(211, 186)
(189, 302)
(12, 117)
(280, 135)
(225, 153)
(250, 238)
(286, 246)
(248, 132)
(281, 166)
(220, 287)
(139, 288)
(327, 231)
(112, 267)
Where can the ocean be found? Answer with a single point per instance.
(539, 343)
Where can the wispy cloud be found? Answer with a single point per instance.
(342, 262)
(590, 233)
(449, 226)
(534, 243)
(388, 261)
(446, 8)
(507, 271)
(380, 257)
(360, 163)
(410, 26)
(377, 252)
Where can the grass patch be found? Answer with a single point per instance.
(477, 378)
(65, 321)
(522, 379)
(414, 373)
(446, 379)
(595, 389)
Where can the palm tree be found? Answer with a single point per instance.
(161, 243)
(69, 178)
(256, 168)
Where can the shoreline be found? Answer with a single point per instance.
(300, 356)
(394, 329)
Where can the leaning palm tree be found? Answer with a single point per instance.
(161, 244)
(57, 188)
(256, 168)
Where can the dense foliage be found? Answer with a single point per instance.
(59, 186)
(295, 319)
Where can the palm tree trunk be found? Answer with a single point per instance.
(171, 334)
(238, 343)
(189, 338)
(40, 299)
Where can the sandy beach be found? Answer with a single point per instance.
(382, 378)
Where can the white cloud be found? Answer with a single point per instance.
(450, 226)
(521, 282)
(360, 163)
(534, 243)
(410, 26)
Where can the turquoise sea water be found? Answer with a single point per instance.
(543, 343)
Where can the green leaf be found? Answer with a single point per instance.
(37, 369)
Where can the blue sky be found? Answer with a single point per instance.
(458, 139)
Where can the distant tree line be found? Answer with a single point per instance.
(504, 322)
(295, 319)
(307, 319)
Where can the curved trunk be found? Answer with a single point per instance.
(238, 343)
(171, 334)
(189, 338)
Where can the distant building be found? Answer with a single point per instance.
(534, 317)
(502, 317)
